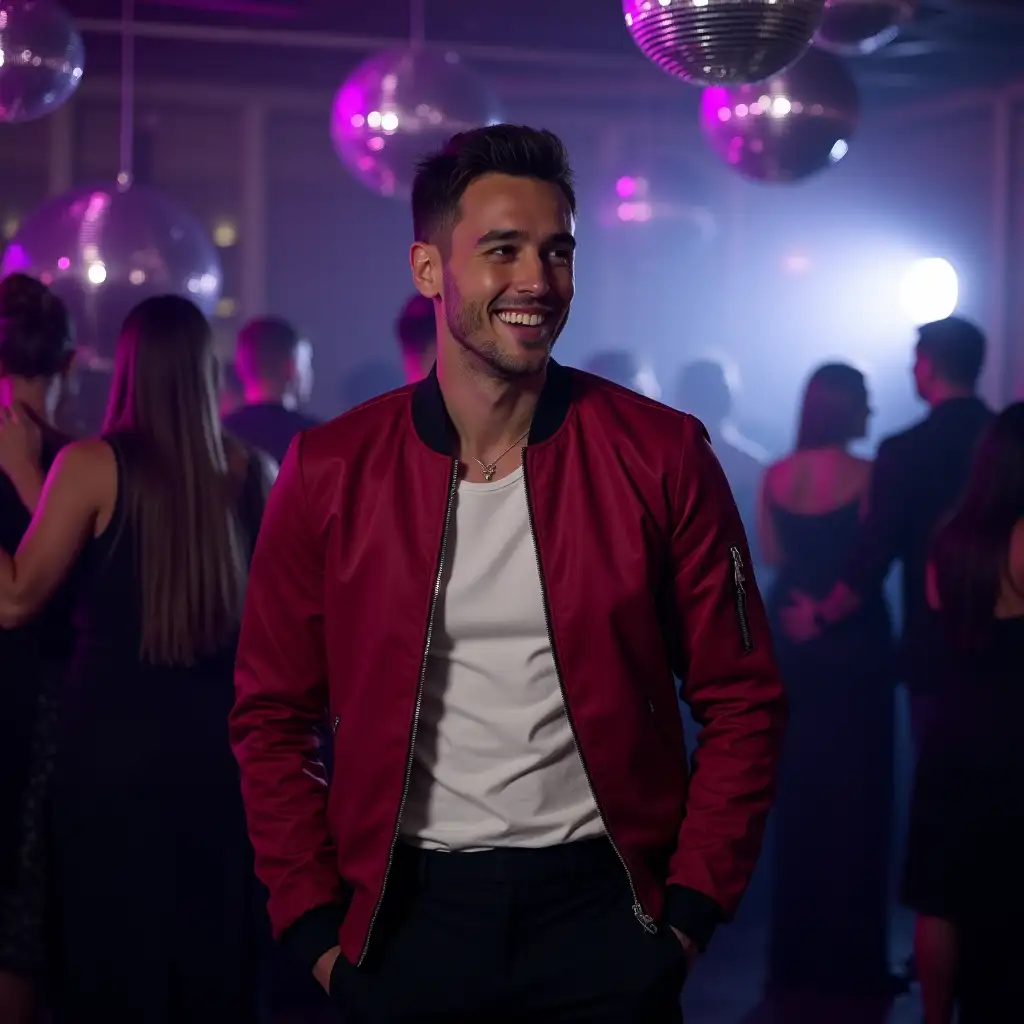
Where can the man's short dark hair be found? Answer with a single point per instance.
(265, 344)
(956, 349)
(416, 327)
(510, 149)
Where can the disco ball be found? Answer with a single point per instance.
(787, 128)
(722, 41)
(400, 106)
(41, 59)
(853, 27)
(103, 249)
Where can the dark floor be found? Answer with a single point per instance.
(726, 987)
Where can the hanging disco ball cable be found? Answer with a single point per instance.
(723, 42)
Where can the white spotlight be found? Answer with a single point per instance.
(929, 291)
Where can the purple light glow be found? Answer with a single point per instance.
(636, 213)
(625, 187)
(715, 104)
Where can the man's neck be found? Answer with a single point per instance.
(947, 392)
(32, 394)
(259, 393)
(488, 413)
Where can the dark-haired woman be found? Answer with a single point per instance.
(829, 928)
(153, 881)
(35, 356)
(963, 873)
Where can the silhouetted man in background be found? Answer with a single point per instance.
(275, 365)
(703, 388)
(417, 338)
(624, 368)
(232, 396)
(916, 482)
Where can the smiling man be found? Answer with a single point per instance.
(490, 578)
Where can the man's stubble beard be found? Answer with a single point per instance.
(469, 325)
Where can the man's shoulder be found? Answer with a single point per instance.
(596, 396)
(261, 412)
(246, 412)
(971, 419)
(904, 443)
(364, 424)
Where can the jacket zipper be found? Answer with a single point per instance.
(453, 486)
(645, 919)
(739, 581)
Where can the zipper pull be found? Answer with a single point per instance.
(645, 919)
(334, 723)
(737, 567)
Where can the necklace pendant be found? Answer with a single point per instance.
(489, 472)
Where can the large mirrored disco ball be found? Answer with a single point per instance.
(852, 27)
(724, 42)
(41, 59)
(788, 128)
(400, 106)
(103, 249)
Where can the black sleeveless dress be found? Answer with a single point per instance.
(33, 658)
(154, 893)
(833, 814)
(967, 820)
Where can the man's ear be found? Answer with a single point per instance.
(427, 270)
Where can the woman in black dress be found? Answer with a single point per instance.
(963, 873)
(833, 814)
(153, 885)
(35, 356)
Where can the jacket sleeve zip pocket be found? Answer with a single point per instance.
(739, 581)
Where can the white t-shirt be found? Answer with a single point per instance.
(495, 764)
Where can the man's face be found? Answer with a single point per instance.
(507, 284)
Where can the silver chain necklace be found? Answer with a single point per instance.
(490, 468)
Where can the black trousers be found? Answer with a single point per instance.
(512, 937)
(991, 982)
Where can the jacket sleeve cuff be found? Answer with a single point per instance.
(314, 933)
(692, 913)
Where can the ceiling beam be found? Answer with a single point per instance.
(342, 42)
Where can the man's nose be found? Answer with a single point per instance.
(531, 275)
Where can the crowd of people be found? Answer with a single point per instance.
(401, 689)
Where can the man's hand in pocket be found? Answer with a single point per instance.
(324, 967)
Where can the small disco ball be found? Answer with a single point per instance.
(41, 59)
(726, 42)
(788, 128)
(400, 106)
(859, 27)
(104, 248)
